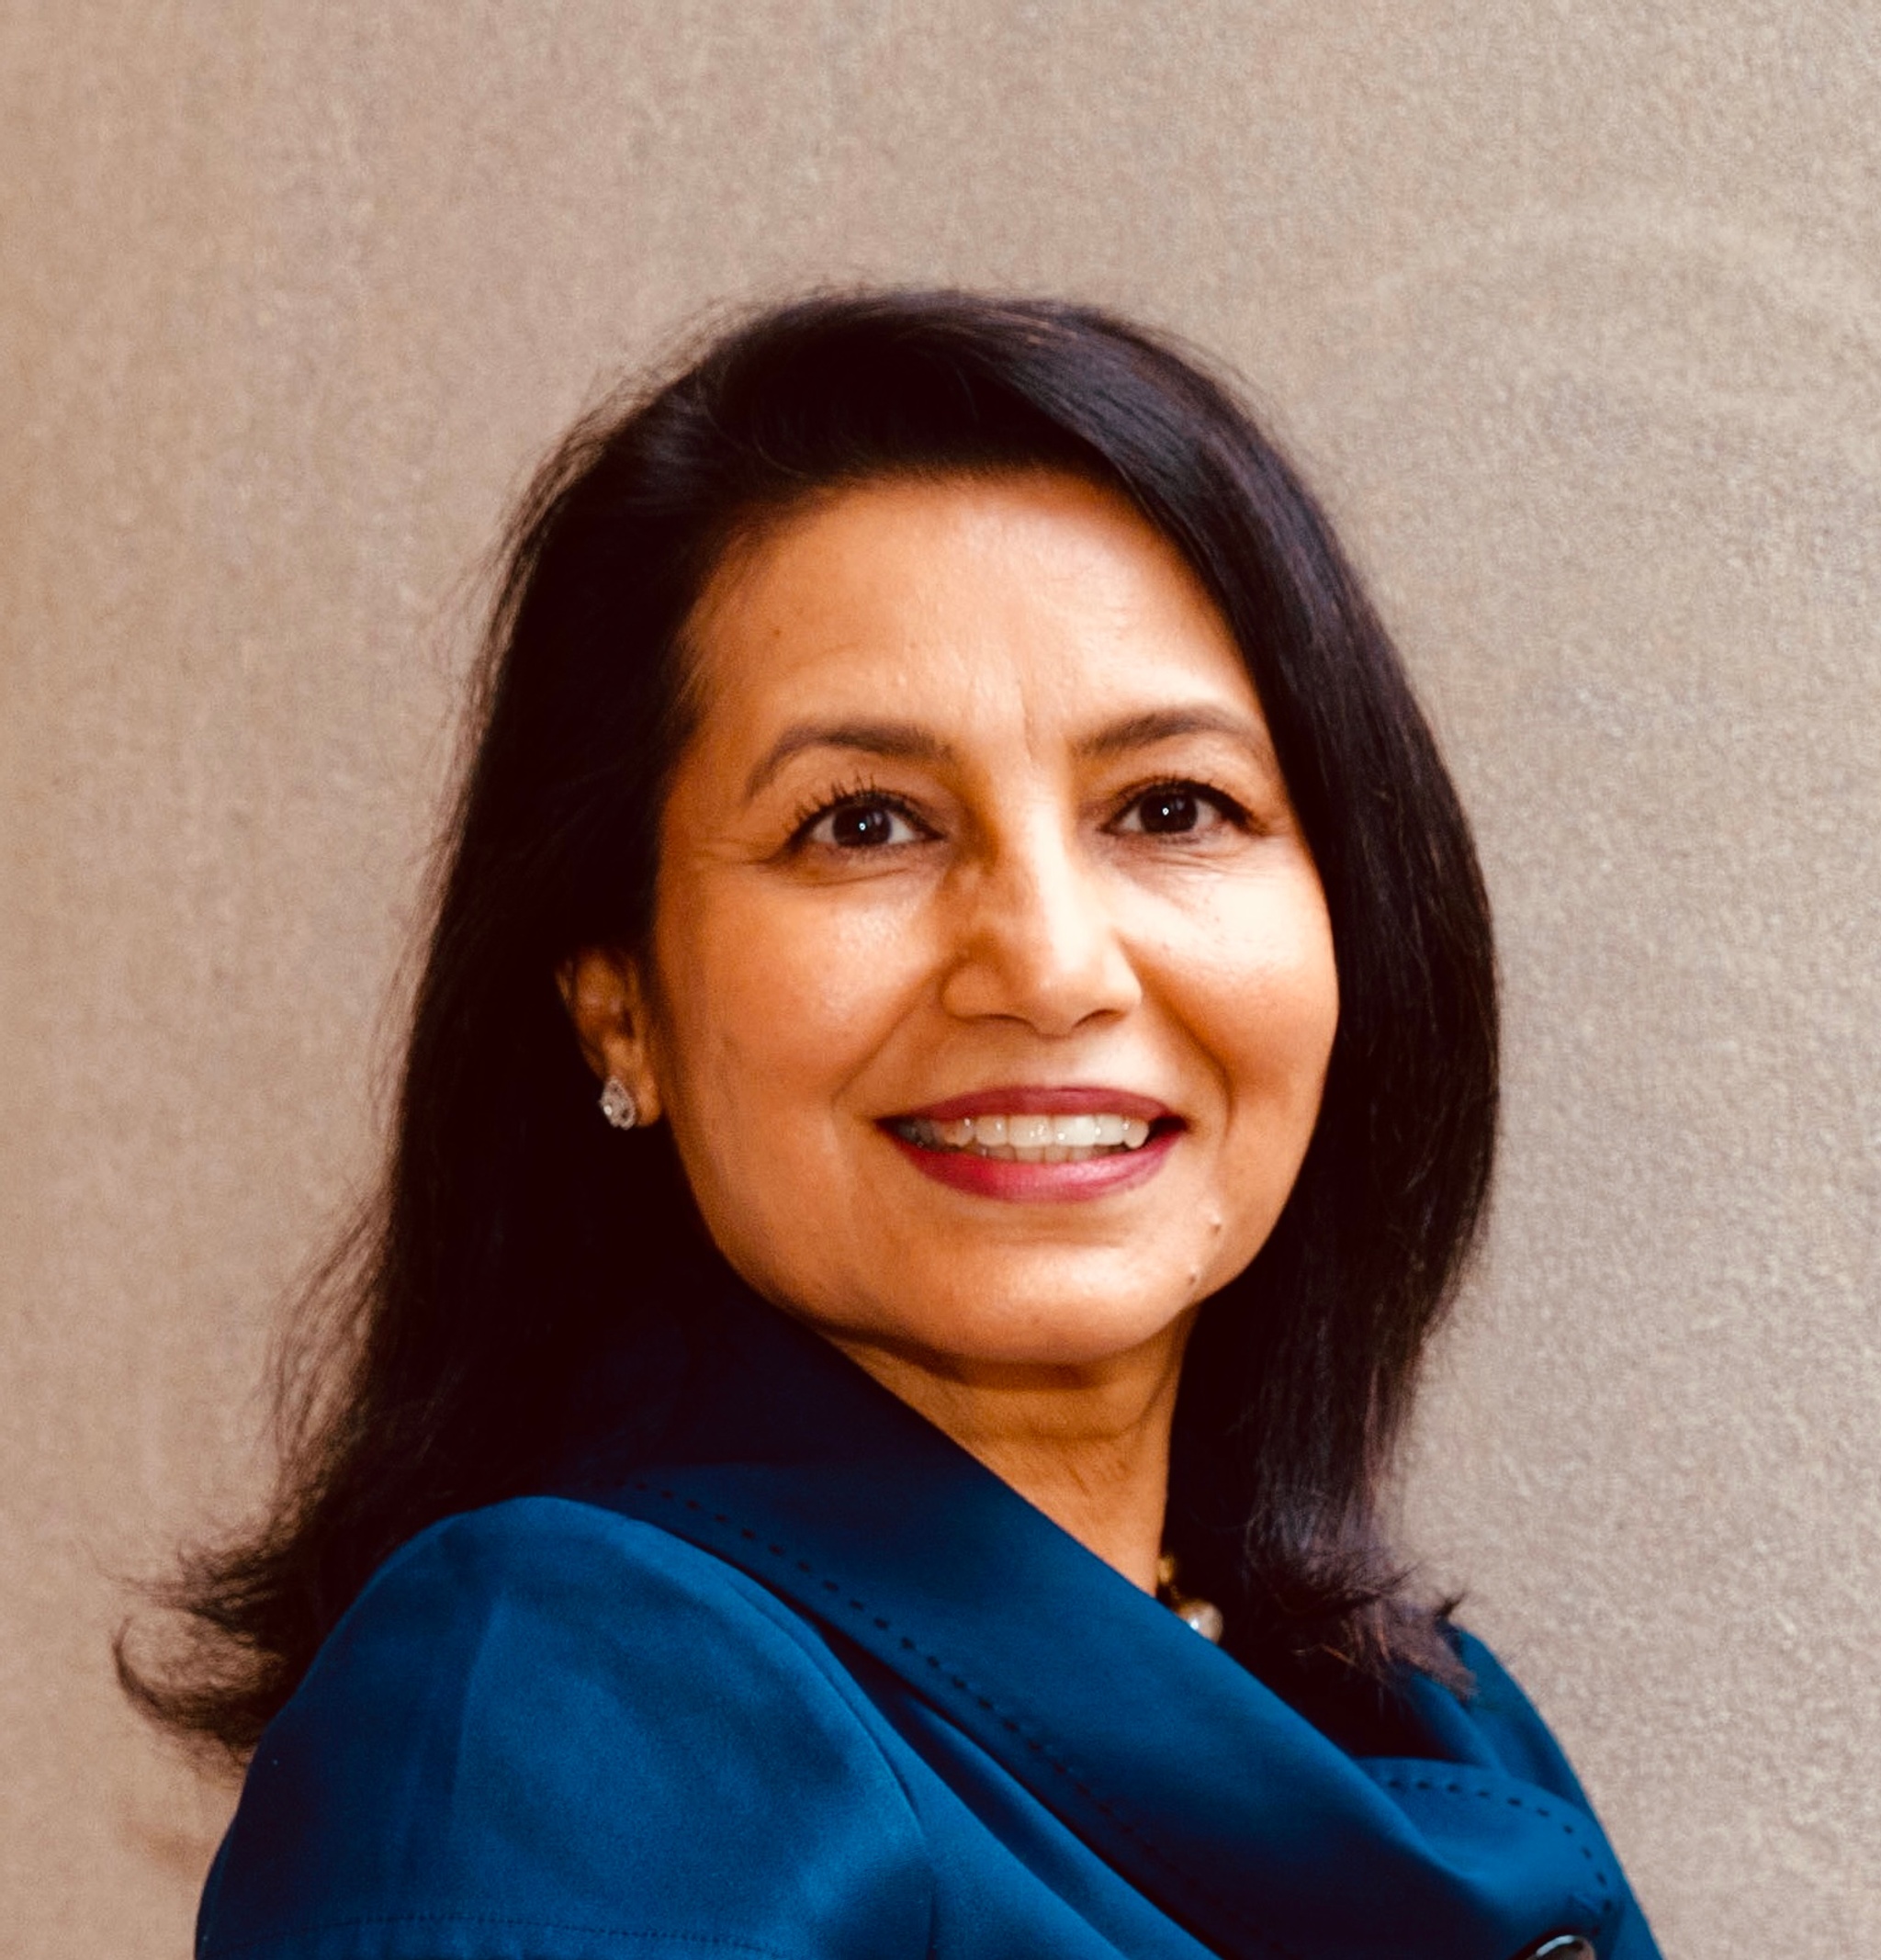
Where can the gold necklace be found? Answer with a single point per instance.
(1203, 1615)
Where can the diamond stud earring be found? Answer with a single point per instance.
(617, 1104)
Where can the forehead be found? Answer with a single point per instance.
(958, 601)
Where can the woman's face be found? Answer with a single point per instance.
(991, 985)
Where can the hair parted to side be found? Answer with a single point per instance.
(489, 1268)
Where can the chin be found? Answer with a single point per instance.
(1019, 1329)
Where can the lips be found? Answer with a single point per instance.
(1034, 1100)
(1038, 1143)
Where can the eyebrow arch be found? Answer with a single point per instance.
(898, 739)
(907, 742)
(1162, 724)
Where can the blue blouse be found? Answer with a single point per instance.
(820, 1686)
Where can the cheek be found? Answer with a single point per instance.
(773, 1000)
(771, 1006)
(1263, 994)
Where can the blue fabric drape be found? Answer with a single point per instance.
(812, 1683)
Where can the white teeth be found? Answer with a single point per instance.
(1030, 1139)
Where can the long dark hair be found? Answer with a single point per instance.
(458, 1314)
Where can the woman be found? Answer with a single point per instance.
(941, 784)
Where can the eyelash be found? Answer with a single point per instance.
(864, 791)
(1231, 808)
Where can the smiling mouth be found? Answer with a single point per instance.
(1016, 1138)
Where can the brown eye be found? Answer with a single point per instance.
(863, 826)
(1174, 809)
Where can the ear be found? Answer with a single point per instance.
(607, 1002)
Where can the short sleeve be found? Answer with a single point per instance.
(546, 1732)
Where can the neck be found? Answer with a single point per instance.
(1087, 1445)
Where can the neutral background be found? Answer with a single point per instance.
(1573, 311)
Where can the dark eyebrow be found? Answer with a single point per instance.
(899, 738)
(1162, 724)
(907, 742)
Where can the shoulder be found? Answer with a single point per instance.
(578, 1590)
(552, 1731)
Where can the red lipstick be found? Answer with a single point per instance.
(1034, 1100)
(1019, 1182)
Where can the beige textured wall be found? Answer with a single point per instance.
(1574, 311)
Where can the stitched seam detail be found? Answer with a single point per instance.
(1011, 1724)
(1455, 1788)
(360, 1924)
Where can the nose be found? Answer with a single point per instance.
(1037, 940)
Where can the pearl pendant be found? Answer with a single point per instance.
(1202, 1614)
